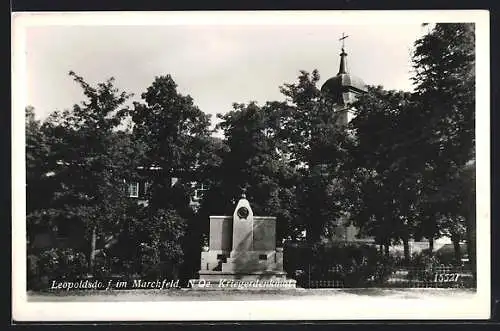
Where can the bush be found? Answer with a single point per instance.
(423, 265)
(55, 263)
(425, 259)
(426, 265)
(33, 273)
(150, 265)
(158, 238)
(101, 267)
(348, 264)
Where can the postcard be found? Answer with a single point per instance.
(244, 166)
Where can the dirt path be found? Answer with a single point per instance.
(232, 295)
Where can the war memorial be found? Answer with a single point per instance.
(242, 252)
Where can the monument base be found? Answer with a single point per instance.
(242, 253)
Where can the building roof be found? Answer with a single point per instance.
(343, 82)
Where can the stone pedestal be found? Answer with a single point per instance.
(243, 247)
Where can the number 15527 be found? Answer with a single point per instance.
(446, 278)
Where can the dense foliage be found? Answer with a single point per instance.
(348, 265)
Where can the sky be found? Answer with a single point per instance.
(215, 64)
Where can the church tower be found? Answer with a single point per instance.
(341, 91)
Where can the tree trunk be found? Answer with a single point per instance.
(431, 245)
(456, 249)
(469, 213)
(92, 250)
(406, 249)
(471, 239)
(386, 248)
(161, 191)
(308, 236)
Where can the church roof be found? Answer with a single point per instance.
(343, 82)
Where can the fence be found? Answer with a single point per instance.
(356, 265)
(399, 277)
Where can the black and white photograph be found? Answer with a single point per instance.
(251, 165)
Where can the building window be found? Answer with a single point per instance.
(133, 189)
(199, 191)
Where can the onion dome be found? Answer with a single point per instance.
(344, 87)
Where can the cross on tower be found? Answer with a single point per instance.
(344, 36)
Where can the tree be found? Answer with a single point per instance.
(88, 160)
(300, 117)
(176, 138)
(254, 162)
(214, 200)
(452, 206)
(34, 140)
(316, 145)
(175, 133)
(436, 124)
(444, 78)
(155, 239)
(386, 180)
(36, 153)
(39, 183)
